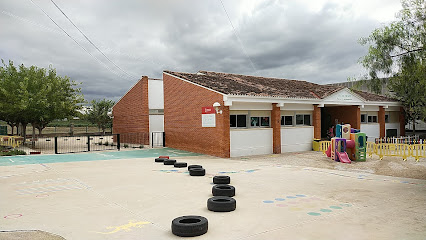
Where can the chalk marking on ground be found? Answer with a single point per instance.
(126, 227)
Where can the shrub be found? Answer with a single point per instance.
(13, 152)
(125, 146)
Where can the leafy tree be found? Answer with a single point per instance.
(34, 95)
(99, 113)
(397, 51)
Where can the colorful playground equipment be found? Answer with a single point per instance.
(348, 145)
(403, 147)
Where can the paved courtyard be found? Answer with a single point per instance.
(136, 198)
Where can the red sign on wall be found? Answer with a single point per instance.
(208, 110)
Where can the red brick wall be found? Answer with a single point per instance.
(276, 128)
(131, 114)
(182, 119)
(317, 122)
(358, 118)
(381, 118)
(345, 114)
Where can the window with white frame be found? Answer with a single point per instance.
(264, 121)
(254, 122)
(259, 122)
(287, 120)
(372, 119)
(363, 118)
(238, 121)
(303, 119)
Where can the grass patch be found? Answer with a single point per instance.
(13, 152)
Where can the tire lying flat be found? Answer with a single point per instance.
(160, 159)
(221, 204)
(189, 226)
(197, 171)
(169, 161)
(180, 164)
(223, 190)
(194, 166)
(221, 180)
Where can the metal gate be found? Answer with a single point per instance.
(158, 139)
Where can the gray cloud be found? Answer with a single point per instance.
(283, 39)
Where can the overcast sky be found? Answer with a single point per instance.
(313, 40)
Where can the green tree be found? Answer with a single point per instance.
(36, 95)
(397, 51)
(99, 113)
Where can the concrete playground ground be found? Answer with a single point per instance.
(287, 196)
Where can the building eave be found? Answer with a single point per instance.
(185, 80)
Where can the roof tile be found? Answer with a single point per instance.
(236, 84)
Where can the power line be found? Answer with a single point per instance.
(103, 64)
(238, 38)
(31, 22)
(131, 56)
(90, 40)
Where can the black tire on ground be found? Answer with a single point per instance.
(221, 204)
(189, 226)
(194, 166)
(180, 164)
(223, 190)
(221, 180)
(160, 159)
(197, 171)
(169, 161)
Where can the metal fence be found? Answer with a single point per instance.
(87, 143)
(158, 139)
(73, 144)
(134, 140)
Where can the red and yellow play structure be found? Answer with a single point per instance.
(348, 145)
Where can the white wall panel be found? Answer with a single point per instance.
(156, 124)
(246, 142)
(296, 139)
(250, 106)
(155, 94)
(372, 131)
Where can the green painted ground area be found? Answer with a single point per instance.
(93, 156)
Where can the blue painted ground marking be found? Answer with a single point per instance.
(280, 199)
(92, 156)
(268, 201)
(314, 214)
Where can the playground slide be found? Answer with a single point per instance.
(328, 152)
(343, 157)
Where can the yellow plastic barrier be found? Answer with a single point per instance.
(418, 151)
(323, 146)
(393, 149)
(10, 141)
(371, 148)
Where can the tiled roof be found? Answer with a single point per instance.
(235, 84)
(374, 97)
